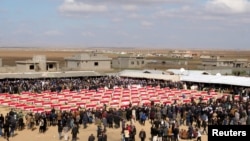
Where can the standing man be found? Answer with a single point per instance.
(41, 125)
(6, 128)
(142, 135)
(204, 125)
(104, 136)
(133, 133)
(60, 129)
(91, 138)
(176, 133)
(74, 132)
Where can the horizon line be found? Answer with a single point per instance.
(125, 47)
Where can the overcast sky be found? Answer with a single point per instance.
(190, 24)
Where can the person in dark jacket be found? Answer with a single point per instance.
(159, 133)
(74, 132)
(99, 130)
(176, 133)
(91, 138)
(133, 133)
(110, 120)
(142, 135)
(84, 119)
(117, 121)
(6, 128)
(45, 123)
(103, 137)
(99, 138)
(60, 129)
(154, 133)
(190, 132)
(204, 125)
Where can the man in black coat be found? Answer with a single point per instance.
(91, 138)
(74, 132)
(176, 133)
(133, 133)
(60, 129)
(99, 130)
(103, 137)
(6, 128)
(142, 135)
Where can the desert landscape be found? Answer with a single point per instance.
(10, 55)
(160, 56)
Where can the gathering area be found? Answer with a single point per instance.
(105, 107)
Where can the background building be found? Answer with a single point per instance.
(225, 62)
(88, 61)
(128, 62)
(38, 63)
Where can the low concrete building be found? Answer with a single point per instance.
(231, 63)
(88, 61)
(128, 62)
(225, 63)
(186, 54)
(38, 63)
(241, 63)
(206, 57)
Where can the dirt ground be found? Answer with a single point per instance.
(52, 135)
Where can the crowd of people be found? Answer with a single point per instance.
(16, 86)
(165, 120)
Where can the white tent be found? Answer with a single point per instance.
(218, 79)
(149, 75)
